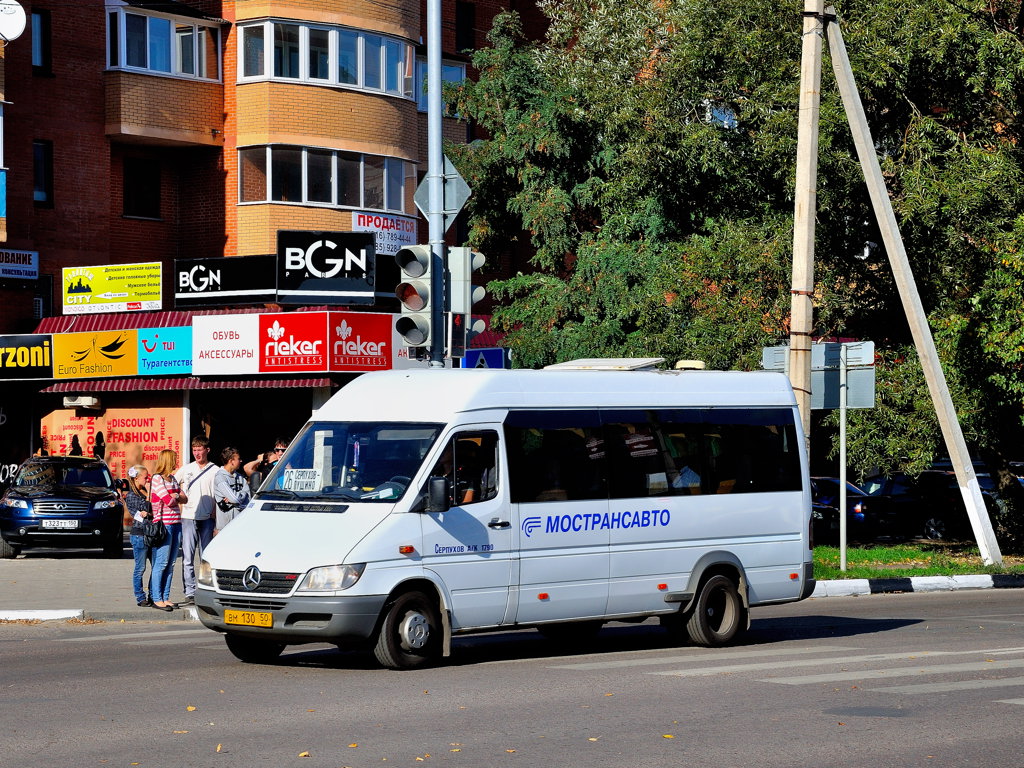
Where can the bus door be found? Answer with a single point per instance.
(558, 489)
(469, 545)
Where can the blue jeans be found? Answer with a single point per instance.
(196, 535)
(142, 552)
(163, 564)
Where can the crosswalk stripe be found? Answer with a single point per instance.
(874, 674)
(704, 656)
(841, 660)
(959, 685)
(129, 635)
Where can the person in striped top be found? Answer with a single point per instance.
(167, 498)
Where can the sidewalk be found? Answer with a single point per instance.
(49, 585)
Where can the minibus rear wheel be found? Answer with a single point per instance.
(718, 614)
(410, 635)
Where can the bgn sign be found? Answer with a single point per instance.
(332, 268)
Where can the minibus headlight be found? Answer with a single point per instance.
(204, 574)
(331, 578)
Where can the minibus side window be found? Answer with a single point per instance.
(682, 435)
(638, 457)
(751, 450)
(470, 463)
(555, 456)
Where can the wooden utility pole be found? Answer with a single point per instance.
(936, 380)
(805, 207)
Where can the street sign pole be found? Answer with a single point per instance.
(843, 395)
(435, 178)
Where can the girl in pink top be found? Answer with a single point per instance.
(167, 499)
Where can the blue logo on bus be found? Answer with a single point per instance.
(530, 525)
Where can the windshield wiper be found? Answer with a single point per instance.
(282, 493)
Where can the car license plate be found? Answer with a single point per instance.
(249, 618)
(59, 523)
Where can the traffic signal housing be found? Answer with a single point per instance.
(413, 292)
(462, 263)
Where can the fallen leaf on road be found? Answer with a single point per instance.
(218, 747)
(190, 708)
(179, 731)
(304, 754)
(667, 736)
(353, 745)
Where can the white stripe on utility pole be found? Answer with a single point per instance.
(874, 674)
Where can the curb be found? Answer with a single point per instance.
(187, 613)
(847, 587)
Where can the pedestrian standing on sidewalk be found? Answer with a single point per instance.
(167, 498)
(197, 513)
(139, 507)
(230, 488)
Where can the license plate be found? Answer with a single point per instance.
(59, 523)
(249, 618)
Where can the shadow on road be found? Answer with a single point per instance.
(613, 638)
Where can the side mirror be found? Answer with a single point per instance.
(437, 495)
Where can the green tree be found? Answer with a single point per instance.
(644, 151)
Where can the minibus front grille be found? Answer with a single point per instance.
(241, 604)
(270, 583)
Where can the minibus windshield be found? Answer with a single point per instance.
(351, 461)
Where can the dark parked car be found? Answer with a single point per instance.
(61, 501)
(930, 505)
(825, 510)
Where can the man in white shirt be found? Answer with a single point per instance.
(197, 514)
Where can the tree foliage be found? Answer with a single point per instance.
(644, 151)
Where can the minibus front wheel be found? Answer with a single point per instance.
(410, 634)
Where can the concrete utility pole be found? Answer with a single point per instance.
(805, 202)
(951, 432)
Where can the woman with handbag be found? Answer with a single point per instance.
(136, 499)
(167, 498)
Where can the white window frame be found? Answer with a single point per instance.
(405, 88)
(419, 89)
(335, 153)
(118, 15)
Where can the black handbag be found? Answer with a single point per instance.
(154, 532)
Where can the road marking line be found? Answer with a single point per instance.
(768, 666)
(960, 685)
(710, 654)
(1010, 701)
(874, 674)
(129, 635)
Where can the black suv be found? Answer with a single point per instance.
(61, 501)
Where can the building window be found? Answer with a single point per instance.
(308, 176)
(42, 61)
(42, 173)
(465, 26)
(141, 186)
(451, 72)
(163, 44)
(327, 56)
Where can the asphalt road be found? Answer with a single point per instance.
(885, 680)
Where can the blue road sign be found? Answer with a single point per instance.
(486, 357)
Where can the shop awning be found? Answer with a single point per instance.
(117, 321)
(178, 384)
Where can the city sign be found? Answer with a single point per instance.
(111, 288)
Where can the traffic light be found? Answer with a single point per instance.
(414, 294)
(462, 263)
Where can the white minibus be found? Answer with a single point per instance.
(418, 505)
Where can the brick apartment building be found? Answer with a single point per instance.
(154, 132)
